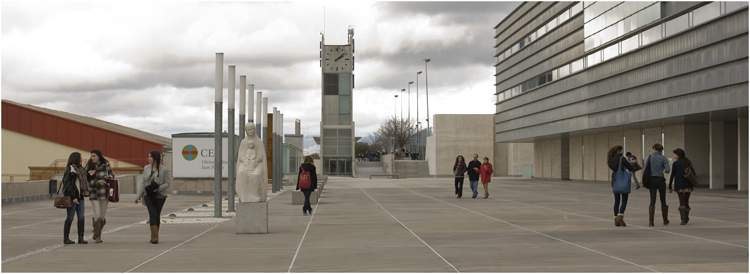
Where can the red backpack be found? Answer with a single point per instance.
(305, 182)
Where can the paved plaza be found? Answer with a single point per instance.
(409, 225)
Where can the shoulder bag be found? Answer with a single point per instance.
(63, 201)
(621, 179)
(646, 174)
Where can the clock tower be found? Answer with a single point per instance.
(337, 126)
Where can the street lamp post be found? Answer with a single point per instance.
(218, 98)
(395, 98)
(419, 134)
(427, 93)
(402, 103)
(408, 116)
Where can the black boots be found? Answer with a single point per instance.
(651, 211)
(66, 232)
(665, 214)
(81, 226)
(684, 213)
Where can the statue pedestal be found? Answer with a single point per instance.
(298, 198)
(251, 218)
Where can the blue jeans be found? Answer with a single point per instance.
(620, 207)
(76, 209)
(474, 190)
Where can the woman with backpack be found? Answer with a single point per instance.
(153, 191)
(99, 171)
(75, 186)
(621, 176)
(307, 182)
(459, 169)
(485, 172)
(683, 179)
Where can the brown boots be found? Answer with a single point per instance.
(684, 213)
(154, 234)
(620, 220)
(98, 227)
(651, 211)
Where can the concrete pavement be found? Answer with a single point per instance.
(408, 225)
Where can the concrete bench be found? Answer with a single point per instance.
(392, 176)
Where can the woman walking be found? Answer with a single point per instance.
(98, 172)
(485, 172)
(307, 182)
(74, 186)
(621, 177)
(656, 166)
(153, 191)
(683, 180)
(459, 169)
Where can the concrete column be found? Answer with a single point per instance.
(698, 148)
(565, 157)
(218, 98)
(742, 147)
(716, 154)
(250, 102)
(231, 148)
(275, 151)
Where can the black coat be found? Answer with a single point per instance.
(313, 175)
(474, 174)
(69, 187)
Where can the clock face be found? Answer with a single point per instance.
(338, 58)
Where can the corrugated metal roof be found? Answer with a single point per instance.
(135, 133)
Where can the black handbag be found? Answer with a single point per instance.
(646, 174)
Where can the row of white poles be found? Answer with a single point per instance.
(257, 103)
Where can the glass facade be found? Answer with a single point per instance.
(607, 21)
(541, 31)
(658, 32)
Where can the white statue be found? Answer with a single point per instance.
(251, 168)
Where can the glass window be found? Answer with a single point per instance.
(533, 36)
(597, 9)
(331, 83)
(610, 52)
(555, 75)
(594, 58)
(515, 91)
(651, 35)
(564, 71)
(540, 32)
(630, 44)
(735, 5)
(552, 24)
(706, 13)
(588, 3)
(576, 9)
(677, 25)
(576, 66)
(563, 17)
(345, 103)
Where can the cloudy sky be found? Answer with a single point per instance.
(150, 64)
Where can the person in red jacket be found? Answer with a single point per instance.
(485, 174)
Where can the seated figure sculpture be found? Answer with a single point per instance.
(251, 168)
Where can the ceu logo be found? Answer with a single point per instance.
(189, 152)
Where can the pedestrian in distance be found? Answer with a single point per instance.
(473, 171)
(682, 179)
(621, 179)
(307, 182)
(98, 171)
(485, 172)
(459, 169)
(153, 192)
(653, 179)
(75, 186)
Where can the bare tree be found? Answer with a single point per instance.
(395, 130)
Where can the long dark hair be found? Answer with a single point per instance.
(74, 159)
(156, 155)
(681, 156)
(457, 161)
(612, 153)
(102, 160)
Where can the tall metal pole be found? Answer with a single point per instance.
(250, 103)
(427, 92)
(395, 98)
(243, 108)
(264, 119)
(231, 146)
(258, 113)
(275, 150)
(402, 103)
(419, 134)
(218, 97)
(408, 100)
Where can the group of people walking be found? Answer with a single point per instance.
(476, 171)
(681, 180)
(90, 181)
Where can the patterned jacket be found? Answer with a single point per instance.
(97, 184)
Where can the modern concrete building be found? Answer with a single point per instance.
(466, 134)
(336, 125)
(576, 78)
(36, 142)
